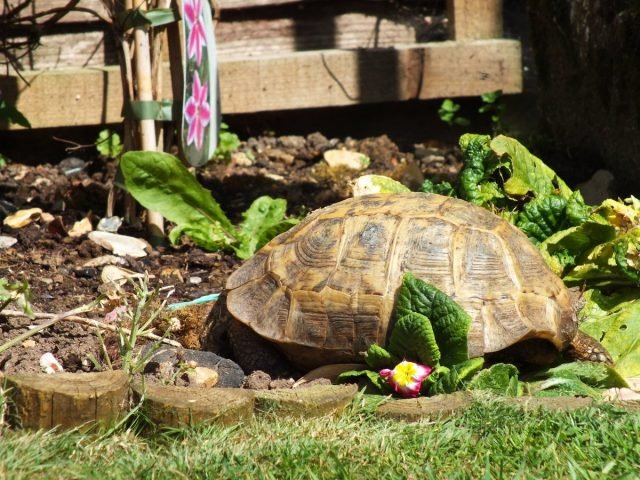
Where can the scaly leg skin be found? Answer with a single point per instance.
(253, 352)
(229, 338)
(586, 348)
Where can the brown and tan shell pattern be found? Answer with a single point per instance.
(325, 290)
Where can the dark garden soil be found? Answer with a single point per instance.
(64, 272)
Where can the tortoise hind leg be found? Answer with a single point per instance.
(252, 353)
(229, 338)
(586, 348)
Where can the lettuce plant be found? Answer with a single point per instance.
(160, 182)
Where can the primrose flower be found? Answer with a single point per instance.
(197, 112)
(406, 378)
(197, 38)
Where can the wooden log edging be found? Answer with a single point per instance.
(67, 400)
(86, 400)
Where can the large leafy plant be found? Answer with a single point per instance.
(160, 182)
(596, 248)
(430, 330)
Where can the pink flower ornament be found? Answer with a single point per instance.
(406, 378)
(197, 112)
(197, 38)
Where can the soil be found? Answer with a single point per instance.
(64, 271)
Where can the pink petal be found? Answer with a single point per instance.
(195, 44)
(192, 10)
(423, 371)
(195, 133)
(205, 114)
(190, 110)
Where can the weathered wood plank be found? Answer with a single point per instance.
(453, 69)
(235, 40)
(41, 6)
(255, 38)
(93, 96)
(72, 50)
(474, 19)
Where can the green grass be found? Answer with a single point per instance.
(491, 440)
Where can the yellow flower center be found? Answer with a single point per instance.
(404, 372)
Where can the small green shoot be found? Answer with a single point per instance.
(493, 105)
(448, 113)
(134, 320)
(228, 142)
(108, 144)
(15, 292)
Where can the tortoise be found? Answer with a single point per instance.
(323, 291)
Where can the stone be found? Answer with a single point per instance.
(346, 158)
(230, 374)
(6, 241)
(81, 227)
(118, 275)
(121, 244)
(22, 218)
(109, 224)
(202, 377)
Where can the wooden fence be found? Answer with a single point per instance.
(284, 54)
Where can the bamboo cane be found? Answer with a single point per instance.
(155, 222)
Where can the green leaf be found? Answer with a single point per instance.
(379, 358)
(530, 176)
(449, 380)
(577, 211)
(367, 184)
(11, 114)
(612, 263)
(475, 150)
(413, 339)
(542, 217)
(108, 144)
(262, 221)
(450, 323)
(16, 292)
(501, 379)
(598, 375)
(614, 320)
(563, 249)
(563, 386)
(442, 188)
(160, 182)
(374, 377)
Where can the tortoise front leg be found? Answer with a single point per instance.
(586, 348)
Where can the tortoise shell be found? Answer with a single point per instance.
(325, 290)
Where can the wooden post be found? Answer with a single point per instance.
(155, 222)
(475, 19)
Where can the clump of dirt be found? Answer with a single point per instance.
(64, 272)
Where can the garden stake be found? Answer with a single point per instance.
(155, 222)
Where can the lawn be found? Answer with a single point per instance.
(490, 440)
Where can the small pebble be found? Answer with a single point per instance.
(109, 224)
(30, 343)
(6, 241)
(195, 280)
(202, 377)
